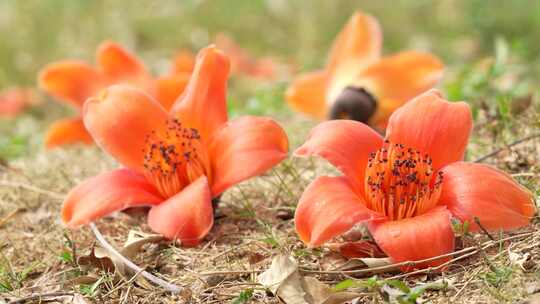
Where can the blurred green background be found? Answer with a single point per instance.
(34, 32)
(491, 48)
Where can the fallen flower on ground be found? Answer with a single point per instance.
(408, 186)
(176, 161)
(74, 81)
(14, 101)
(357, 83)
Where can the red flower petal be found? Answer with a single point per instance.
(396, 79)
(70, 81)
(187, 216)
(475, 190)
(119, 120)
(169, 89)
(203, 105)
(106, 193)
(307, 94)
(328, 208)
(67, 131)
(357, 45)
(417, 238)
(346, 144)
(119, 64)
(243, 148)
(433, 126)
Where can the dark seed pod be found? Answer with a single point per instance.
(355, 104)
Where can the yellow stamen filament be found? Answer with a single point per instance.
(174, 157)
(400, 182)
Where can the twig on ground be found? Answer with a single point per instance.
(514, 143)
(170, 287)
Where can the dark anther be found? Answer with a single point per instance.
(354, 103)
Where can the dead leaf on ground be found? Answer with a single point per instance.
(363, 263)
(285, 281)
(521, 260)
(102, 259)
(97, 258)
(136, 240)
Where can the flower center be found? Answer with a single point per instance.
(354, 103)
(174, 157)
(400, 182)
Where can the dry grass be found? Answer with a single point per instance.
(254, 223)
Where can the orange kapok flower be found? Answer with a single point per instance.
(73, 81)
(408, 186)
(14, 100)
(244, 63)
(357, 83)
(176, 161)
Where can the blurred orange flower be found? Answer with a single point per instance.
(176, 160)
(73, 81)
(357, 83)
(409, 185)
(243, 63)
(14, 100)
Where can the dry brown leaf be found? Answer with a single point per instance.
(286, 282)
(282, 267)
(519, 259)
(97, 258)
(101, 258)
(322, 294)
(136, 240)
(361, 263)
